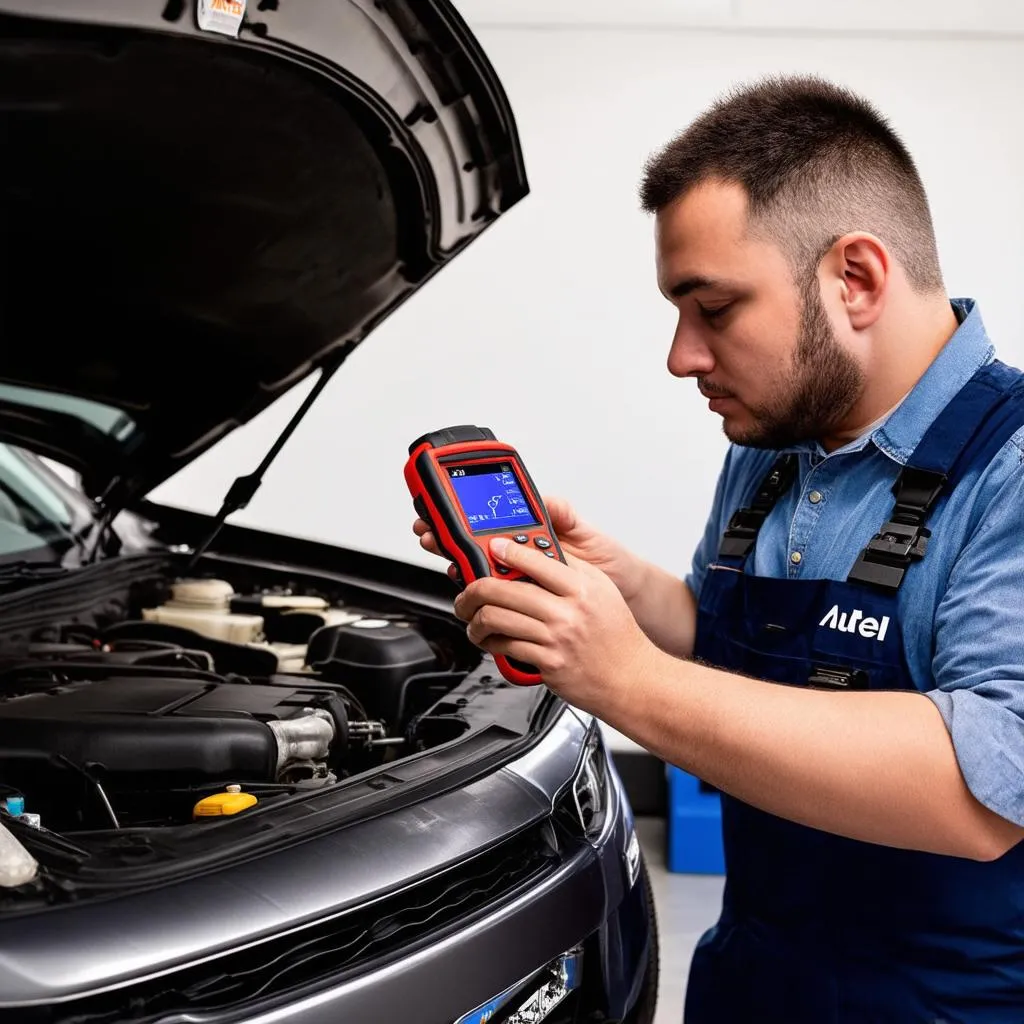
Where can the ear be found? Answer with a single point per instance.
(860, 265)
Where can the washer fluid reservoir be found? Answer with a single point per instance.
(205, 606)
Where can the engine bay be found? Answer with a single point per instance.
(206, 700)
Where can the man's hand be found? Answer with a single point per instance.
(660, 602)
(573, 624)
(578, 539)
(798, 753)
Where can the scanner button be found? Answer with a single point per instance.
(542, 542)
(550, 554)
(503, 570)
(520, 538)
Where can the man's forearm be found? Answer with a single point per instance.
(879, 767)
(664, 608)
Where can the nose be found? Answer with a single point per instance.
(689, 356)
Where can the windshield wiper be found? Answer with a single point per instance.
(14, 573)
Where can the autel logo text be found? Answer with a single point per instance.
(856, 622)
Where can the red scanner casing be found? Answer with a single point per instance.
(428, 475)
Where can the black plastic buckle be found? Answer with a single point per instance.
(915, 491)
(904, 539)
(831, 677)
(889, 554)
(741, 533)
(900, 541)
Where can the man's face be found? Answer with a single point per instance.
(764, 351)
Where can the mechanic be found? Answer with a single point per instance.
(859, 701)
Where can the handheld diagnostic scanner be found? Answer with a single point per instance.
(469, 488)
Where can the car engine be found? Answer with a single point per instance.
(207, 702)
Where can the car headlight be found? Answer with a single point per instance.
(591, 787)
(633, 858)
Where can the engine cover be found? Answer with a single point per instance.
(159, 727)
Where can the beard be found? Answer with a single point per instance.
(817, 392)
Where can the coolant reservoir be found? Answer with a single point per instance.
(220, 804)
(294, 602)
(205, 606)
(290, 657)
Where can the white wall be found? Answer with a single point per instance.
(879, 17)
(553, 318)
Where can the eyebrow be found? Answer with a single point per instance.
(692, 284)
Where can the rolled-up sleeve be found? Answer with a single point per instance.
(978, 661)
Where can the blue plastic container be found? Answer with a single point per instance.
(694, 826)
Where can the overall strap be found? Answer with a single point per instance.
(741, 533)
(975, 424)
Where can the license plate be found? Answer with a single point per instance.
(561, 978)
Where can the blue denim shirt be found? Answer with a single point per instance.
(962, 606)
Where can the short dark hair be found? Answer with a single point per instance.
(816, 162)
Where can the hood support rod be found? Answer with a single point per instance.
(241, 492)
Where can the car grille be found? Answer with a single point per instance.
(320, 955)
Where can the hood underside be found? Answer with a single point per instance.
(192, 223)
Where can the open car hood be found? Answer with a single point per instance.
(194, 221)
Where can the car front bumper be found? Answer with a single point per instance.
(589, 901)
(79, 958)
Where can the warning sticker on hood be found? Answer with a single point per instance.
(223, 16)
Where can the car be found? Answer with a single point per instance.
(247, 776)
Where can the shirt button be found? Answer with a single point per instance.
(814, 497)
(796, 558)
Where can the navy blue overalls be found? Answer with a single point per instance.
(816, 928)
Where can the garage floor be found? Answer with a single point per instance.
(686, 906)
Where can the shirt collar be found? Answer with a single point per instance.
(959, 359)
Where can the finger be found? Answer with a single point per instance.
(492, 620)
(584, 568)
(550, 573)
(423, 530)
(520, 650)
(525, 598)
(452, 569)
(429, 543)
(562, 515)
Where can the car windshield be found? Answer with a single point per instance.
(105, 418)
(40, 517)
